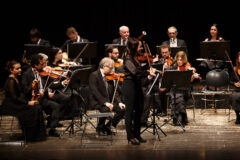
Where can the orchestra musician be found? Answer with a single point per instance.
(28, 112)
(173, 40)
(124, 36)
(35, 37)
(101, 94)
(179, 111)
(234, 80)
(113, 53)
(31, 76)
(135, 75)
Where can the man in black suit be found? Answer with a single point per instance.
(173, 40)
(124, 36)
(73, 38)
(35, 37)
(101, 95)
(38, 62)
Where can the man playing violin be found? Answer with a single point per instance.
(38, 63)
(101, 96)
(113, 53)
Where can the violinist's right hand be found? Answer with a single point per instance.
(152, 72)
(109, 105)
(32, 103)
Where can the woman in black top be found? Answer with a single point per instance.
(29, 113)
(132, 91)
(236, 83)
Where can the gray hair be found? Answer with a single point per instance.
(43, 55)
(106, 62)
(121, 28)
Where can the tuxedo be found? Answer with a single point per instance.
(180, 42)
(101, 92)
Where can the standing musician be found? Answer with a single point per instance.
(35, 87)
(132, 91)
(179, 113)
(28, 112)
(102, 97)
(234, 80)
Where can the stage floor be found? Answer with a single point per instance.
(210, 136)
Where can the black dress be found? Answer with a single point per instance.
(30, 117)
(133, 96)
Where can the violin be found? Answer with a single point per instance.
(114, 76)
(35, 89)
(187, 66)
(118, 63)
(54, 73)
(238, 71)
(145, 58)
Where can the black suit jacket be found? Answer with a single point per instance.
(27, 80)
(180, 42)
(64, 46)
(98, 91)
(118, 40)
(44, 42)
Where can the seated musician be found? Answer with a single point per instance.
(234, 80)
(28, 112)
(101, 96)
(113, 53)
(179, 112)
(31, 76)
(35, 37)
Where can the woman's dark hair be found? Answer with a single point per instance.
(34, 33)
(10, 65)
(51, 56)
(132, 46)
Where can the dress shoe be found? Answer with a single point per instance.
(133, 141)
(53, 133)
(141, 140)
(101, 133)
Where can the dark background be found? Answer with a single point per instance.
(100, 21)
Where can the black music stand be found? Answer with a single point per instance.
(78, 79)
(121, 48)
(32, 49)
(174, 50)
(88, 49)
(175, 79)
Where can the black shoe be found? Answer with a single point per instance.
(141, 140)
(101, 133)
(133, 141)
(108, 130)
(53, 133)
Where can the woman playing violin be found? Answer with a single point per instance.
(234, 80)
(29, 112)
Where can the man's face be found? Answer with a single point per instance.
(73, 36)
(108, 69)
(124, 33)
(115, 54)
(165, 52)
(172, 33)
(42, 64)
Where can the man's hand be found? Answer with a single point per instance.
(109, 105)
(121, 105)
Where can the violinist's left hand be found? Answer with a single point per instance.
(121, 105)
(65, 82)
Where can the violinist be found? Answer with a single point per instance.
(113, 53)
(28, 112)
(135, 75)
(101, 96)
(179, 112)
(167, 62)
(234, 80)
(51, 107)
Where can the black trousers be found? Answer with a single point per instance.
(133, 98)
(115, 120)
(52, 108)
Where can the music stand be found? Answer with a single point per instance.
(32, 49)
(173, 50)
(78, 79)
(121, 48)
(214, 50)
(87, 49)
(175, 79)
